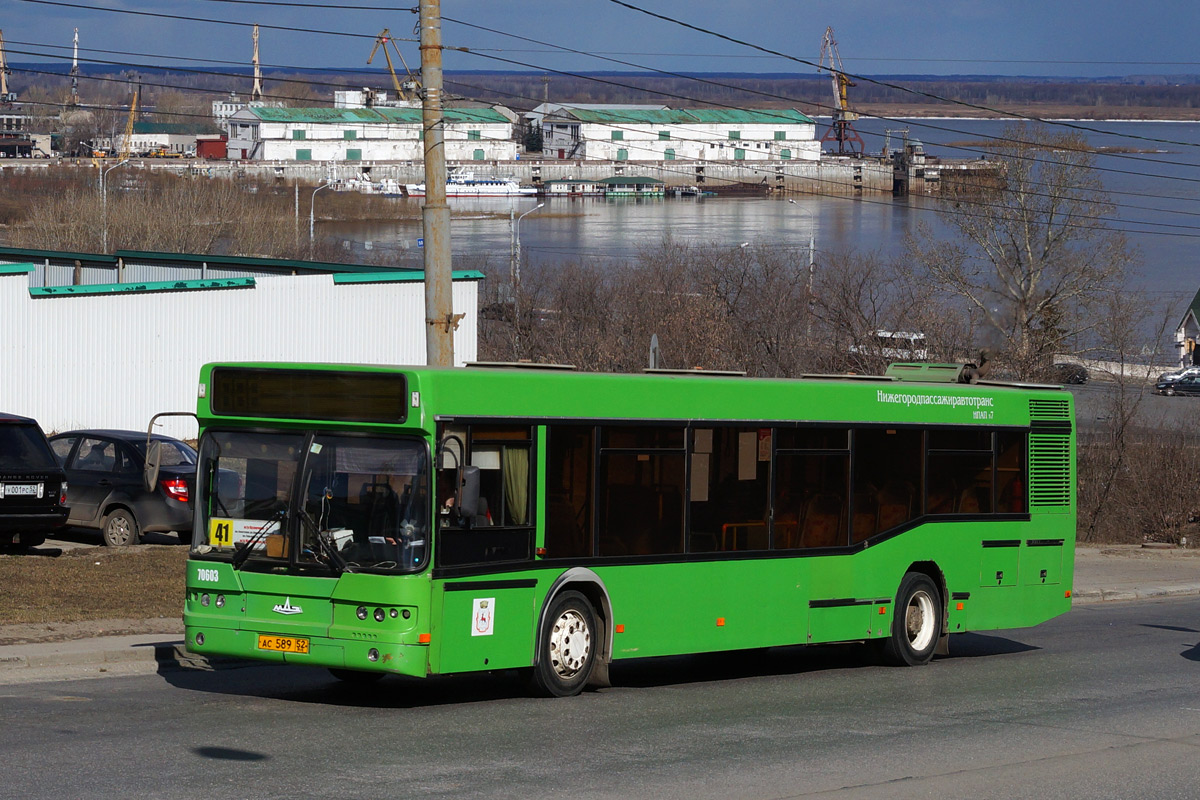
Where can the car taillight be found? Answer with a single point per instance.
(62, 493)
(176, 488)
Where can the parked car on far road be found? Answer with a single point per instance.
(1188, 384)
(105, 472)
(33, 487)
(1176, 374)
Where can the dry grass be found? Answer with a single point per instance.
(93, 584)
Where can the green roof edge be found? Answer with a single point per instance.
(141, 288)
(17, 269)
(405, 276)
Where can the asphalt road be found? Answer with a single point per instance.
(1093, 407)
(1101, 703)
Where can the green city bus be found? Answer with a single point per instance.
(418, 521)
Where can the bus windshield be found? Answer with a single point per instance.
(310, 499)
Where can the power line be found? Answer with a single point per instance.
(625, 85)
(930, 95)
(630, 144)
(161, 15)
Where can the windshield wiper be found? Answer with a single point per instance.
(332, 556)
(239, 557)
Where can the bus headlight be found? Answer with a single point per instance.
(362, 612)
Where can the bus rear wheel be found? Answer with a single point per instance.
(566, 646)
(916, 623)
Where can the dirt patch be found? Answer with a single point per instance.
(91, 592)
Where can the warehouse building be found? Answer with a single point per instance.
(98, 341)
(366, 134)
(656, 134)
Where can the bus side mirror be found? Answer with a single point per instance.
(468, 497)
(153, 462)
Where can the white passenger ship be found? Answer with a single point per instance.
(466, 184)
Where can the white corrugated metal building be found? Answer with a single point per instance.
(622, 133)
(366, 134)
(111, 355)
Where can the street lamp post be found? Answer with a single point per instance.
(812, 255)
(104, 204)
(514, 269)
(312, 218)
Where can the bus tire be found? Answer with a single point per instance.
(916, 623)
(567, 645)
(355, 676)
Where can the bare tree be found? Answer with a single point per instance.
(1031, 252)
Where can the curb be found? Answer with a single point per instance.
(168, 655)
(1087, 596)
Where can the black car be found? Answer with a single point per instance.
(105, 471)
(1188, 384)
(33, 487)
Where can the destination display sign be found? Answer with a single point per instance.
(337, 395)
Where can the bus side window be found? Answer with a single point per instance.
(641, 490)
(1010, 472)
(502, 454)
(888, 465)
(569, 471)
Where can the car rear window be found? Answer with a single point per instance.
(23, 447)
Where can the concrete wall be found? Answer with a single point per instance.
(828, 176)
(114, 360)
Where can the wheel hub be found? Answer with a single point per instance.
(919, 621)
(570, 644)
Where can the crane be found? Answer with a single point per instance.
(841, 129)
(411, 85)
(127, 142)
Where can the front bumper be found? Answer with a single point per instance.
(393, 658)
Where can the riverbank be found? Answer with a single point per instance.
(1017, 112)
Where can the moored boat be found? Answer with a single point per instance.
(466, 184)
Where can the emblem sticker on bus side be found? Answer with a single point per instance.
(484, 616)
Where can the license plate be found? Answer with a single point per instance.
(21, 490)
(283, 644)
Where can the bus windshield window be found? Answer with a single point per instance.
(345, 502)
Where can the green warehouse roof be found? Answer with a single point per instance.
(684, 116)
(372, 116)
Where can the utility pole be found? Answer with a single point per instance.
(440, 320)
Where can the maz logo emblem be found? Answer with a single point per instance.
(287, 607)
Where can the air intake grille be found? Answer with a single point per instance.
(1049, 409)
(1049, 472)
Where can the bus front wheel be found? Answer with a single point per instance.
(566, 646)
(916, 624)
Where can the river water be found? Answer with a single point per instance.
(1157, 195)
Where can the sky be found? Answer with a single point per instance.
(875, 37)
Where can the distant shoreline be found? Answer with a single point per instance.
(1050, 113)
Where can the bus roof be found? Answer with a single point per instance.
(517, 393)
